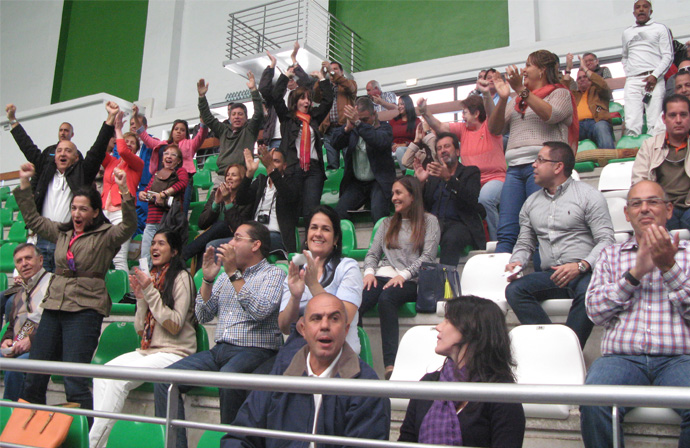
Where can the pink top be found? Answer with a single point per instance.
(482, 149)
(129, 162)
(188, 147)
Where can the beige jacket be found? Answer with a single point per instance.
(651, 155)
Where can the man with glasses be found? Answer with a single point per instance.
(571, 223)
(640, 293)
(245, 298)
(664, 159)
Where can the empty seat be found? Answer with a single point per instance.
(547, 354)
(202, 179)
(483, 276)
(126, 434)
(629, 141)
(18, 233)
(117, 284)
(11, 203)
(616, 177)
(616, 210)
(349, 237)
(365, 346)
(586, 145)
(211, 163)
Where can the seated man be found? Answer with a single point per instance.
(382, 100)
(592, 98)
(571, 223)
(639, 294)
(664, 159)
(591, 62)
(451, 193)
(369, 166)
(326, 355)
(681, 86)
(24, 312)
(245, 298)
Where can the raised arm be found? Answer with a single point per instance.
(26, 145)
(433, 122)
(207, 116)
(497, 118)
(43, 226)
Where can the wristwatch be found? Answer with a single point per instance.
(236, 276)
(582, 267)
(524, 93)
(630, 279)
(358, 122)
(13, 122)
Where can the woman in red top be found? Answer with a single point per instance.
(131, 164)
(404, 126)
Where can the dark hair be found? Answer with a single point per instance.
(337, 252)
(175, 123)
(415, 215)
(136, 139)
(475, 103)
(340, 66)
(260, 233)
(95, 202)
(363, 103)
(295, 95)
(22, 246)
(490, 71)
(675, 98)
(456, 142)
(409, 113)
(548, 61)
(481, 322)
(177, 265)
(234, 106)
(563, 153)
(589, 54)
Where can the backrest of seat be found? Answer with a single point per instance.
(126, 434)
(210, 439)
(617, 212)
(7, 257)
(616, 176)
(117, 284)
(365, 346)
(483, 276)
(349, 237)
(117, 339)
(201, 339)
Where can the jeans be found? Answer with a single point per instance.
(48, 250)
(14, 382)
(399, 153)
(312, 188)
(222, 357)
(518, 186)
(197, 246)
(634, 107)
(490, 198)
(188, 193)
(68, 337)
(455, 237)
(332, 154)
(599, 131)
(355, 195)
(120, 259)
(149, 231)
(680, 219)
(389, 301)
(640, 370)
(525, 294)
(274, 144)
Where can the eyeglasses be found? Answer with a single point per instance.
(652, 202)
(244, 238)
(541, 160)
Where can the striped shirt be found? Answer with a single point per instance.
(649, 319)
(248, 318)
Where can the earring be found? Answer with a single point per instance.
(540, 74)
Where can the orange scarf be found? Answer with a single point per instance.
(305, 141)
(543, 92)
(150, 321)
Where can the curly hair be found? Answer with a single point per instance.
(546, 60)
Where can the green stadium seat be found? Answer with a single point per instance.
(260, 170)
(199, 278)
(330, 198)
(3, 286)
(11, 203)
(284, 267)
(78, 434)
(7, 257)
(627, 159)
(5, 413)
(202, 179)
(211, 164)
(584, 167)
(210, 439)
(628, 141)
(586, 145)
(123, 309)
(18, 233)
(6, 219)
(5, 193)
(126, 434)
(333, 179)
(349, 237)
(117, 339)
(117, 284)
(359, 254)
(405, 310)
(365, 347)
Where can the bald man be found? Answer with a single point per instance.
(326, 355)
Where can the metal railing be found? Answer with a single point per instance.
(279, 24)
(626, 396)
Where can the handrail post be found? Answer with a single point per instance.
(170, 414)
(614, 425)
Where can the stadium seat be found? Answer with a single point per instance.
(5, 413)
(284, 267)
(11, 204)
(78, 434)
(117, 339)
(199, 277)
(349, 236)
(360, 254)
(18, 233)
(117, 284)
(365, 346)
(5, 193)
(617, 113)
(260, 170)
(482, 276)
(616, 210)
(195, 209)
(628, 141)
(415, 358)
(210, 439)
(3, 283)
(584, 167)
(547, 354)
(126, 434)
(586, 145)
(333, 178)
(615, 179)
(202, 179)
(6, 219)
(211, 164)
(7, 258)
(408, 309)
(330, 198)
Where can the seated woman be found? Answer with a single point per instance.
(325, 271)
(168, 182)
(77, 299)
(165, 321)
(221, 214)
(474, 338)
(404, 126)
(401, 244)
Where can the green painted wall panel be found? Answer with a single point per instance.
(403, 31)
(101, 49)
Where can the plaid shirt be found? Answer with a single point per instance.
(649, 319)
(333, 114)
(248, 318)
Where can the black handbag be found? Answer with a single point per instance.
(436, 282)
(175, 220)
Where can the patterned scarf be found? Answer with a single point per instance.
(149, 322)
(71, 264)
(305, 141)
(441, 425)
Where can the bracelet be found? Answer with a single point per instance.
(13, 122)
(210, 283)
(567, 72)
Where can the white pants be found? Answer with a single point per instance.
(110, 395)
(635, 108)
(120, 259)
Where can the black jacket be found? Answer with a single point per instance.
(82, 173)
(233, 217)
(266, 90)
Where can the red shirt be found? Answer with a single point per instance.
(400, 134)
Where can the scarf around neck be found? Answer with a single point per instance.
(441, 425)
(305, 141)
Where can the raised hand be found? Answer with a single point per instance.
(515, 78)
(120, 177)
(209, 265)
(318, 75)
(26, 170)
(295, 280)
(251, 84)
(663, 247)
(266, 158)
(569, 62)
(483, 85)
(142, 277)
(272, 58)
(202, 87)
(290, 72)
(112, 108)
(135, 287)
(502, 88)
(421, 106)
(222, 193)
(118, 124)
(419, 134)
(419, 172)
(293, 55)
(251, 163)
(228, 258)
(439, 169)
(11, 110)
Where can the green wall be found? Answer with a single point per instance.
(403, 31)
(101, 48)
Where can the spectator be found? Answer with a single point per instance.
(451, 193)
(647, 55)
(77, 297)
(110, 196)
(164, 320)
(344, 94)
(591, 63)
(478, 148)
(382, 100)
(179, 135)
(235, 133)
(145, 155)
(542, 111)
(592, 98)
(422, 148)
(570, 223)
(222, 214)
(401, 244)
(474, 339)
(650, 271)
(489, 82)
(301, 139)
(326, 270)
(273, 198)
(664, 159)
(480, 76)
(166, 185)
(404, 126)
(681, 85)
(24, 312)
(326, 355)
(369, 167)
(59, 176)
(245, 298)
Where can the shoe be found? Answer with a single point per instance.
(389, 372)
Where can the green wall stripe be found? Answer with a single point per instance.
(61, 51)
